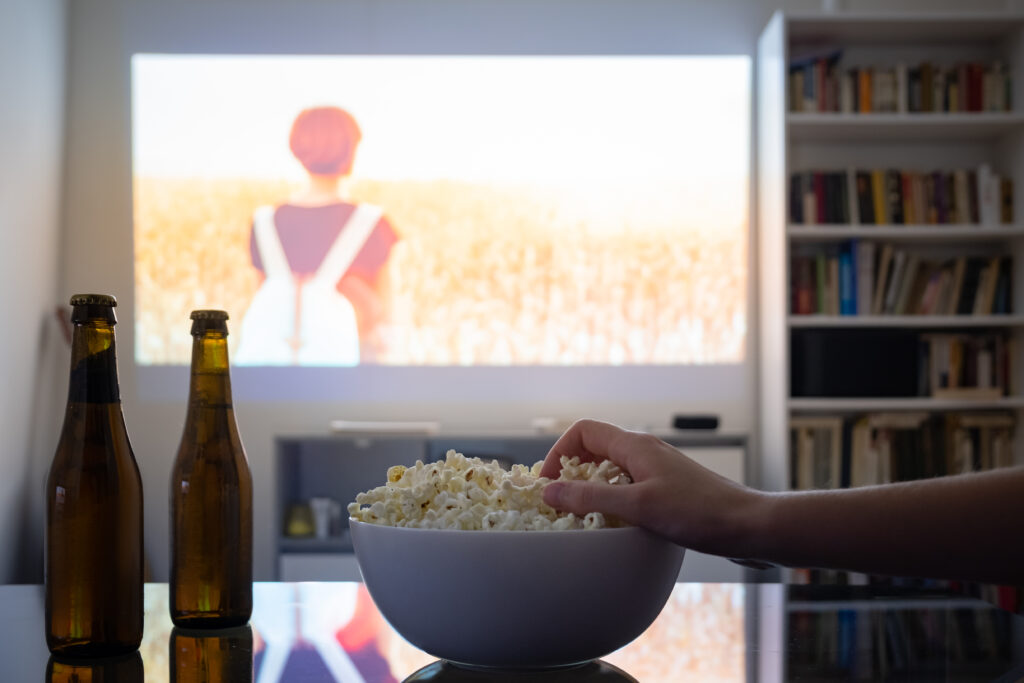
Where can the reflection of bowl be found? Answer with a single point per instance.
(516, 599)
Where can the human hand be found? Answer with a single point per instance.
(671, 495)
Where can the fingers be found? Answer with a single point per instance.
(580, 497)
(587, 439)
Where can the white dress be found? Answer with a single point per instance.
(308, 322)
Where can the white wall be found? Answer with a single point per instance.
(32, 49)
(97, 249)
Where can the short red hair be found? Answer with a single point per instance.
(324, 140)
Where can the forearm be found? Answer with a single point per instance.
(963, 527)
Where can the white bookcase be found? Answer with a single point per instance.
(797, 141)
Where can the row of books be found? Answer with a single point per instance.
(823, 84)
(842, 451)
(885, 644)
(861, 277)
(900, 197)
(966, 366)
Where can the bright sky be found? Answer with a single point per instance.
(487, 119)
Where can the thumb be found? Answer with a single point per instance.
(580, 497)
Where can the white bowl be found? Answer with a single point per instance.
(516, 599)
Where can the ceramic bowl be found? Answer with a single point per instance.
(516, 599)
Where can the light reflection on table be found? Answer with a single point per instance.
(333, 632)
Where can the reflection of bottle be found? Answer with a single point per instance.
(94, 566)
(211, 656)
(127, 669)
(211, 494)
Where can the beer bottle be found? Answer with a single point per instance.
(211, 494)
(94, 565)
(222, 656)
(123, 669)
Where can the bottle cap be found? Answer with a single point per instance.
(209, 314)
(93, 300)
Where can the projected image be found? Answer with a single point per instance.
(420, 210)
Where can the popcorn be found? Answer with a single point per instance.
(471, 494)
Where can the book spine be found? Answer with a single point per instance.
(847, 283)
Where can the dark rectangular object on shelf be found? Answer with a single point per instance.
(854, 363)
(695, 422)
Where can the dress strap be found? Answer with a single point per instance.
(348, 244)
(268, 243)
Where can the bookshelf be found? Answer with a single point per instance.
(793, 422)
(798, 141)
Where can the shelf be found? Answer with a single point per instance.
(902, 233)
(886, 604)
(916, 321)
(889, 28)
(921, 403)
(334, 544)
(838, 127)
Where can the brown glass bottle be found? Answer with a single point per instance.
(211, 494)
(94, 565)
(123, 669)
(222, 656)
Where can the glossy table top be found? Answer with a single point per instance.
(707, 632)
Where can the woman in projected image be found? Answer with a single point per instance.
(320, 257)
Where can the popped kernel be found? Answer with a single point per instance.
(472, 494)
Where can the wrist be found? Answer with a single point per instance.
(753, 526)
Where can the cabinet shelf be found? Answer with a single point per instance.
(903, 233)
(910, 127)
(332, 544)
(912, 321)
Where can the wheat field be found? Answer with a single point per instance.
(480, 275)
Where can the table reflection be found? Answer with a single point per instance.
(127, 669)
(208, 656)
(333, 632)
(713, 633)
(592, 672)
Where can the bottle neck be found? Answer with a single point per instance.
(210, 384)
(93, 363)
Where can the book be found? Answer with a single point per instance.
(931, 197)
(988, 196)
(907, 194)
(847, 282)
(833, 289)
(810, 207)
(878, 196)
(804, 277)
(881, 280)
(796, 198)
(962, 203)
(957, 285)
(941, 199)
(864, 90)
(969, 287)
(852, 197)
(895, 281)
(818, 178)
(987, 288)
(1002, 296)
(926, 305)
(865, 268)
(906, 285)
(894, 197)
(821, 282)
(940, 304)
